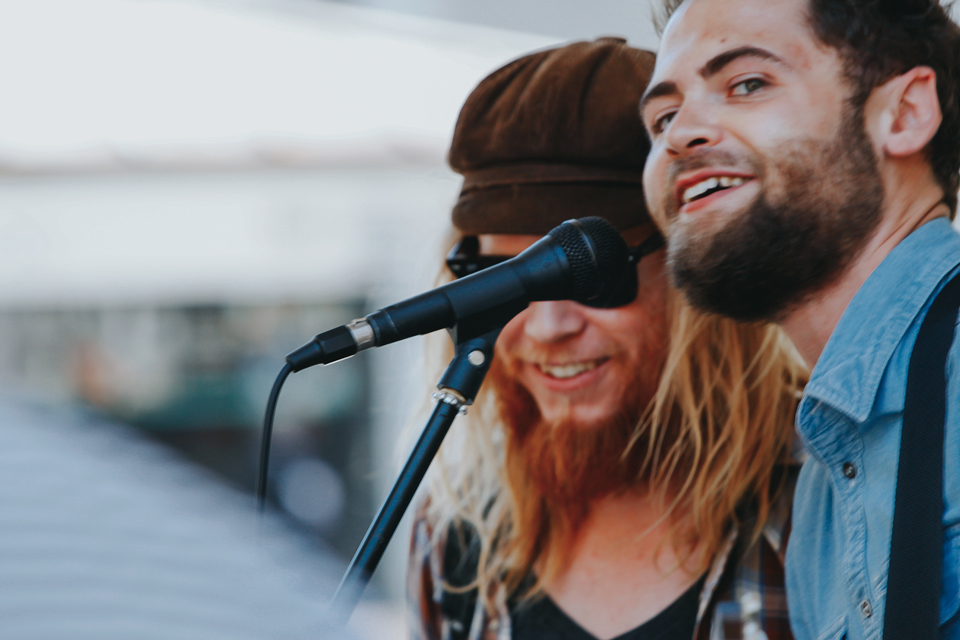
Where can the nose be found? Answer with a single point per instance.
(692, 128)
(554, 321)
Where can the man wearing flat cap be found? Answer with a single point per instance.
(625, 470)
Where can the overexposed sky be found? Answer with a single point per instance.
(147, 82)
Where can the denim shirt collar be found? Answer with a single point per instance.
(848, 374)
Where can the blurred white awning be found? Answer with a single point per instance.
(107, 85)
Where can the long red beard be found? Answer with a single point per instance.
(560, 468)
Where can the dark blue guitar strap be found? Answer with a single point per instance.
(916, 548)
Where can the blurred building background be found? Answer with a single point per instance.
(189, 190)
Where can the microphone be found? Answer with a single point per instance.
(573, 262)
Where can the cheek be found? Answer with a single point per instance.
(509, 341)
(655, 185)
(771, 128)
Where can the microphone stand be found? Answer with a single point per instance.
(457, 389)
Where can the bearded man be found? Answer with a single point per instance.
(804, 164)
(620, 474)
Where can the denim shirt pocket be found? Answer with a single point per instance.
(950, 594)
(836, 631)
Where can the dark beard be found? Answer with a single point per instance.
(785, 247)
(565, 466)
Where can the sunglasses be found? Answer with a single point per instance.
(465, 259)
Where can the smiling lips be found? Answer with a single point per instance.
(709, 186)
(569, 370)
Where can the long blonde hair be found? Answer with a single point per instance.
(728, 391)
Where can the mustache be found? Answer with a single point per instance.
(703, 159)
(532, 355)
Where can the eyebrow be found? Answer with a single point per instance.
(714, 66)
(661, 89)
(717, 63)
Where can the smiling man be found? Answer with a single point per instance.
(804, 165)
(621, 473)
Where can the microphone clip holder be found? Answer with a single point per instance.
(458, 388)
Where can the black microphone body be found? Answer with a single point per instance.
(572, 262)
(481, 301)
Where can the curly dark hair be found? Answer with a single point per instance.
(880, 39)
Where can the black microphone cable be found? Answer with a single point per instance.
(267, 434)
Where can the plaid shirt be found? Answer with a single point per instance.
(743, 595)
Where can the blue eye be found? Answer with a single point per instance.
(748, 86)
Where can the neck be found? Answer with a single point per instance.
(628, 524)
(810, 324)
(623, 569)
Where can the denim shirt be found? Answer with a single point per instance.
(850, 420)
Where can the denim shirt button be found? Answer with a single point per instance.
(849, 470)
(866, 609)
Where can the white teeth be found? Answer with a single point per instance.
(709, 184)
(563, 371)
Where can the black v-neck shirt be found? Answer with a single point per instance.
(544, 620)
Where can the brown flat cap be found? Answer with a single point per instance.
(552, 136)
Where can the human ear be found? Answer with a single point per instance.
(909, 112)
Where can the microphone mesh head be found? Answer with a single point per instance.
(596, 252)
